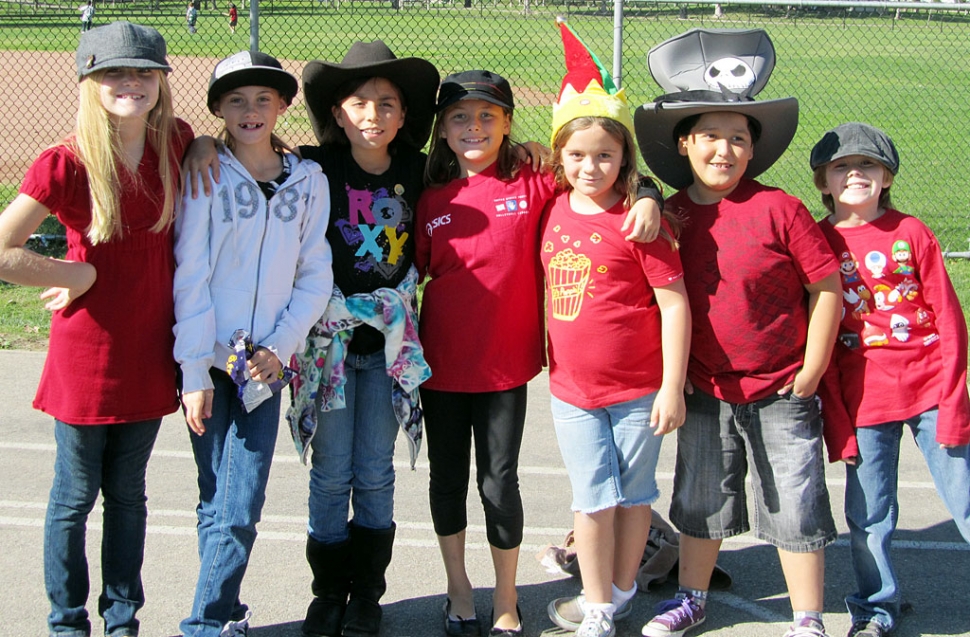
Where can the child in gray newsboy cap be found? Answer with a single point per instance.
(900, 312)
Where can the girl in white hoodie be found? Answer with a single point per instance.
(253, 274)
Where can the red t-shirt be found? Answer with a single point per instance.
(604, 323)
(902, 348)
(110, 354)
(746, 261)
(481, 313)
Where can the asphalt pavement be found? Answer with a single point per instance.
(932, 559)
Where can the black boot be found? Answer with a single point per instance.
(370, 555)
(330, 564)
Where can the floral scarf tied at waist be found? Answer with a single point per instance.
(320, 367)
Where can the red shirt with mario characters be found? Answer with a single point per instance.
(902, 347)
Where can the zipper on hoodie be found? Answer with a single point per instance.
(259, 256)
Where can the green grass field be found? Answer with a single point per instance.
(907, 76)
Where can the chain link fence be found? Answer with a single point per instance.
(899, 66)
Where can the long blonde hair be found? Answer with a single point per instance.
(98, 145)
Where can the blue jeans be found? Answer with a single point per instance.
(233, 457)
(871, 507)
(111, 459)
(777, 438)
(610, 453)
(353, 455)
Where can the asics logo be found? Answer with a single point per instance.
(443, 220)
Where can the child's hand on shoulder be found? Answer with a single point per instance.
(201, 155)
(643, 221)
(84, 275)
(533, 153)
(264, 365)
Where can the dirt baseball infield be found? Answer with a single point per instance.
(38, 103)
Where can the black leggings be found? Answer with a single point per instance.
(497, 420)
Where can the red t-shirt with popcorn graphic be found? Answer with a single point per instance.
(902, 347)
(603, 320)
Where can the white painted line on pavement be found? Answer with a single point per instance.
(404, 527)
(404, 466)
(752, 608)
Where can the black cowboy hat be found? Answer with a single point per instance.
(416, 78)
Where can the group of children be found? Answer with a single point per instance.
(303, 267)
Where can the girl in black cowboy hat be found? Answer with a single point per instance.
(371, 130)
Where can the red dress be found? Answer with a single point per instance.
(110, 354)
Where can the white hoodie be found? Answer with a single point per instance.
(243, 262)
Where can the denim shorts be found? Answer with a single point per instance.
(780, 439)
(610, 453)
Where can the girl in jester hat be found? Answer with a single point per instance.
(609, 300)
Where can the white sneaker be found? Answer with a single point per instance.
(237, 629)
(568, 612)
(596, 624)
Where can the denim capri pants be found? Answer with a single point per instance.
(610, 453)
(780, 439)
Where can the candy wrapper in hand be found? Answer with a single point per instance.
(251, 392)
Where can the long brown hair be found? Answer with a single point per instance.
(442, 165)
(627, 182)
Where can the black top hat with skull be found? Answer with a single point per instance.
(706, 71)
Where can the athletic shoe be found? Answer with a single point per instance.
(238, 628)
(806, 627)
(568, 614)
(675, 617)
(867, 628)
(596, 624)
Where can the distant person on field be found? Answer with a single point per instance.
(233, 17)
(109, 377)
(191, 16)
(900, 361)
(764, 299)
(87, 16)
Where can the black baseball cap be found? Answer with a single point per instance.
(250, 68)
(475, 85)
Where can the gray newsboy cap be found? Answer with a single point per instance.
(120, 45)
(855, 138)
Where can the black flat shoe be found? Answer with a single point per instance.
(461, 627)
(495, 631)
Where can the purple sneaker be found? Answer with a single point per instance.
(675, 617)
